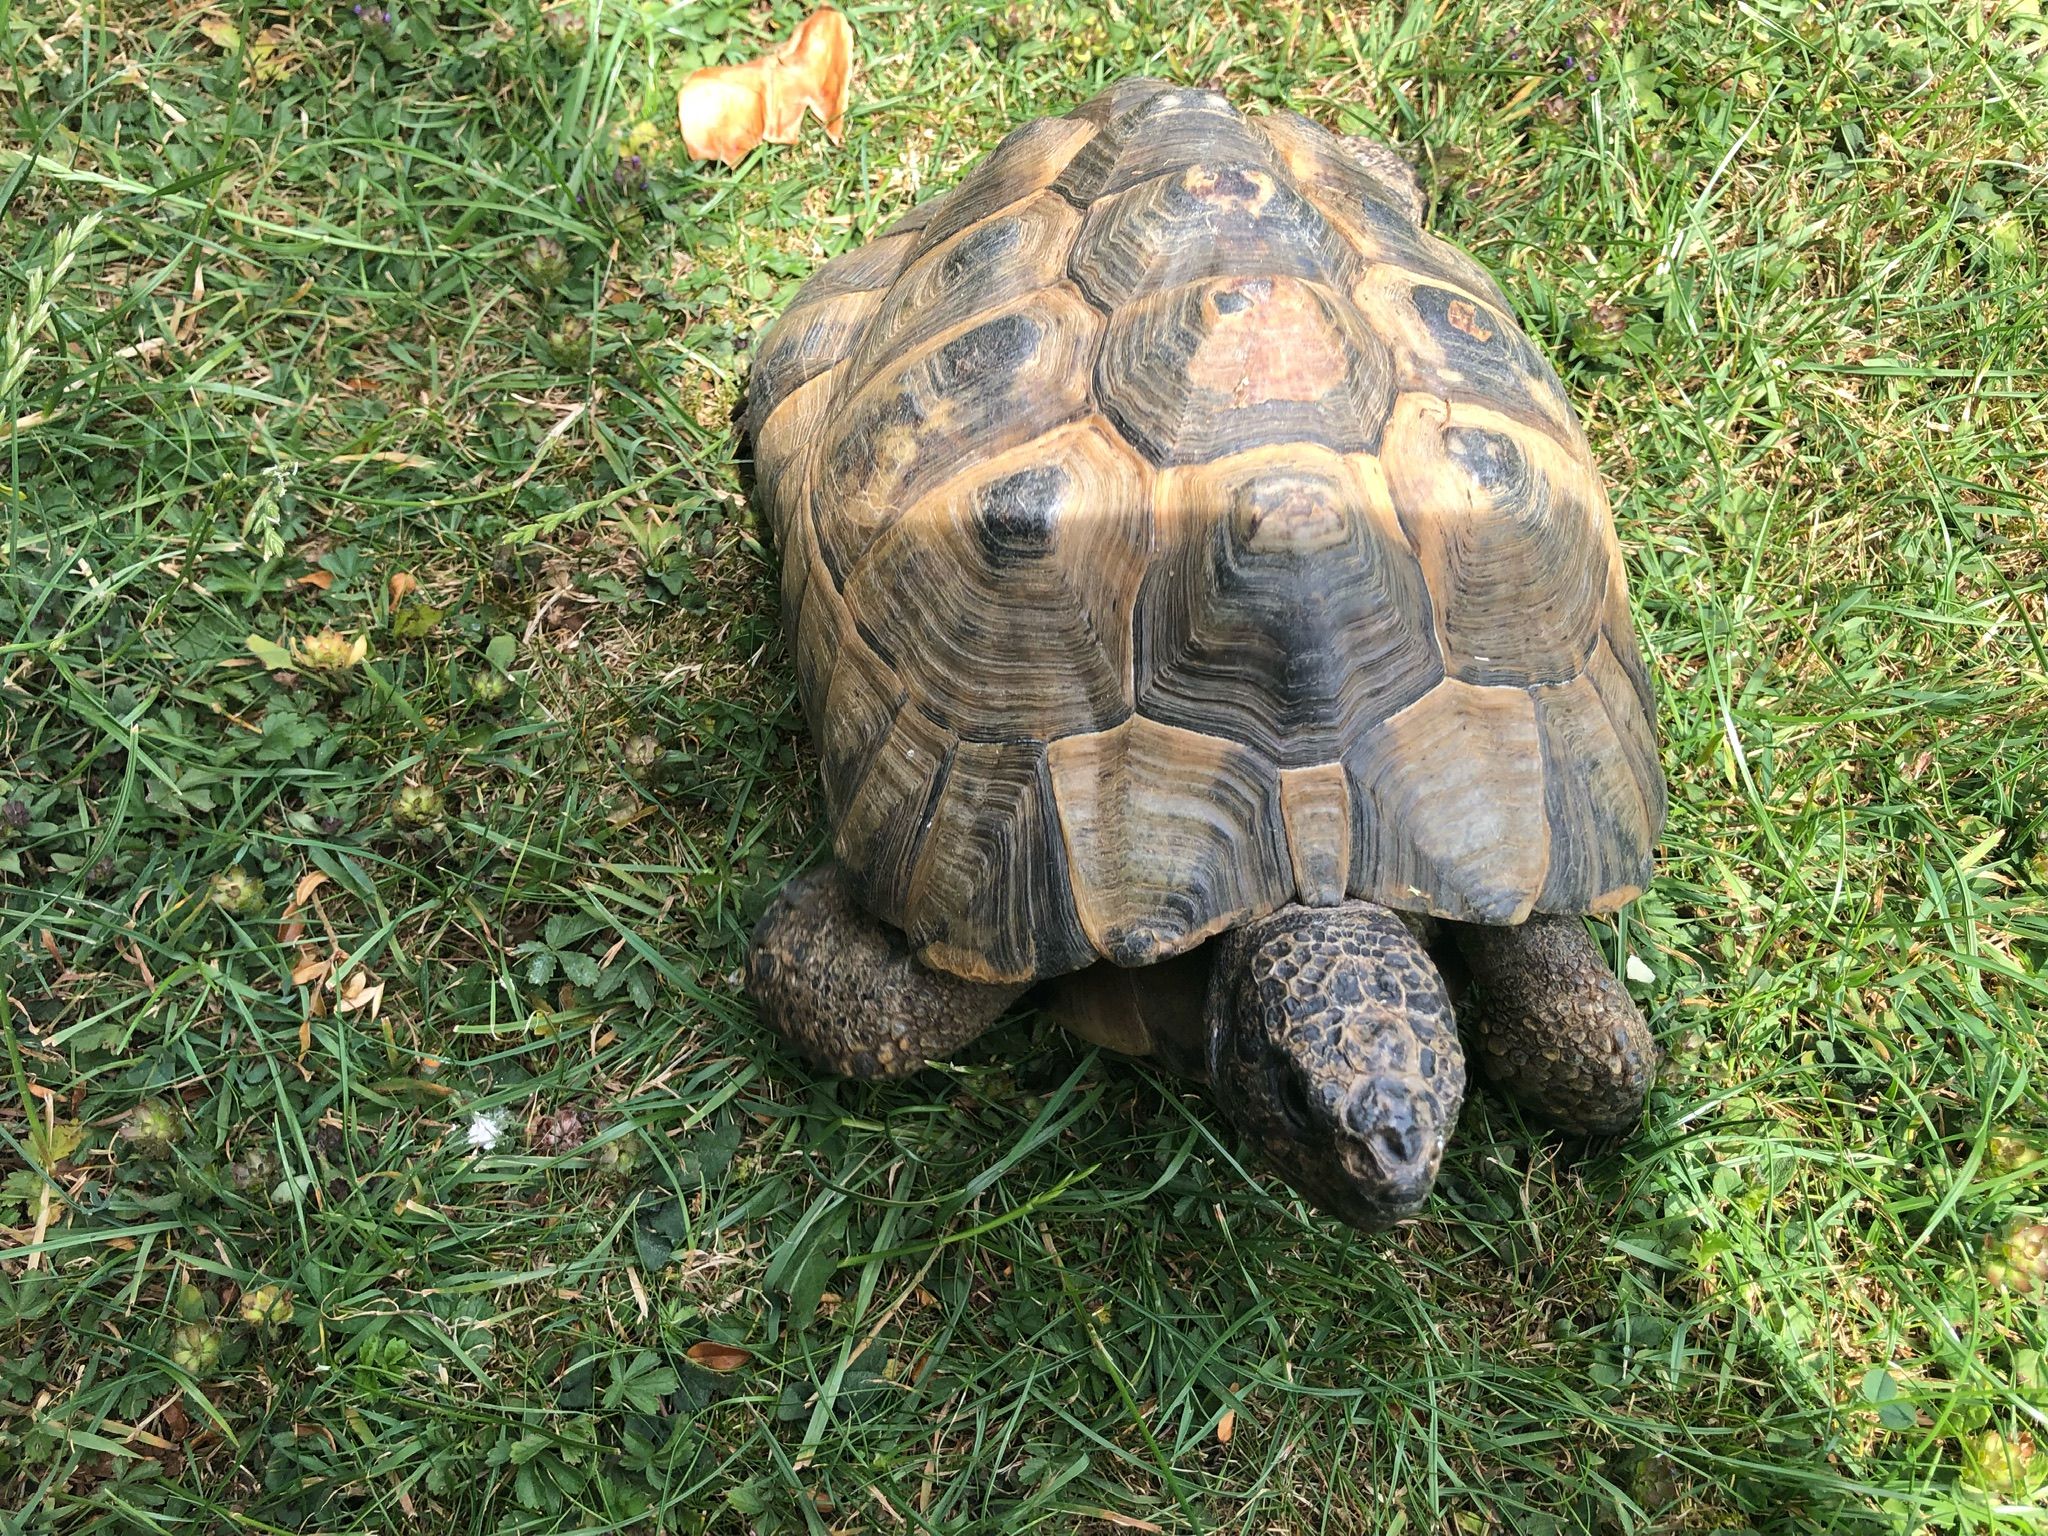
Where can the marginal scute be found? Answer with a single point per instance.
(910, 222)
(1635, 726)
(1600, 826)
(819, 627)
(1231, 363)
(854, 712)
(1284, 610)
(785, 448)
(1171, 837)
(864, 269)
(989, 896)
(1505, 520)
(983, 267)
(882, 828)
(1450, 799)
(1114, 104)
(1009, 375)
(798, 551)
(805, 342)
(1005, 595)
(1618, 629)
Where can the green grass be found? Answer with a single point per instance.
(272, 322)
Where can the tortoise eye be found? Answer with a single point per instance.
(1292, 1096)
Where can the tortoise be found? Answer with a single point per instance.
(1204, 600)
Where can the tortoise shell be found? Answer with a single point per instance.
(1173, 530)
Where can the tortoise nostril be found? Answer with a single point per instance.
(1399, 1143)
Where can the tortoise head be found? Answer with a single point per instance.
(1332, 1049)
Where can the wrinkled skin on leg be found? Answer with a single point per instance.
(1556, 1031)
(845, 990)
(1332, 1049)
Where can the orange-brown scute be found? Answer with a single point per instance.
(1268, 339)
(1180, 531)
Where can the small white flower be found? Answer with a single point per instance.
(484, 1132)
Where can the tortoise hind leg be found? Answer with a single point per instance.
(1556, 1031)
(845, 990)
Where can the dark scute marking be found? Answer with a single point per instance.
(1229, 302)
(855, 449)
(979, 249)
(1493, 459)
(1001, 346)
(1231, 181)
(883, 653)
(1502, 369)
(1014, 518)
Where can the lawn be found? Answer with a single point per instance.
(396, 740)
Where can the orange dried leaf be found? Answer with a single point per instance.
(714, 1356)
(1226, 1426)
(291, 927)
(321, 580)
(726, 110)
(403, 585)
(722, 110)
(817, 68)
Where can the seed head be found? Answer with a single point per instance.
(195, 1348)
(417, 806)
(567, 30)
(544, 264)
(151, 1130)
(235, 890)
(330, 652)
(267, 1306)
